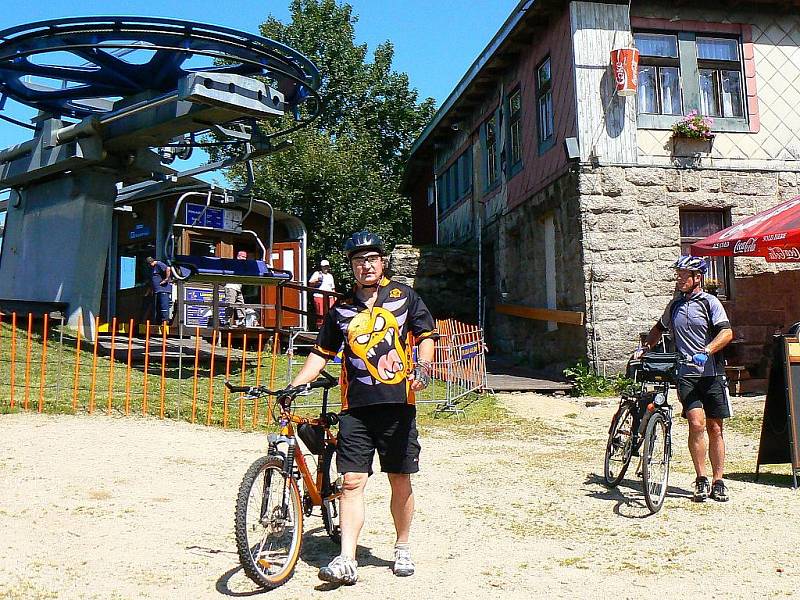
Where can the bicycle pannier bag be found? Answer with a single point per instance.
(313, 437)
(659, 366)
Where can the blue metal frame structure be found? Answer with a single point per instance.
(112, 94)
(101, 74)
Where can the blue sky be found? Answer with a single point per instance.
(435, 40)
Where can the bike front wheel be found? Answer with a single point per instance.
(268, 523)
(331, 492)
(620, 444)
(655, 461)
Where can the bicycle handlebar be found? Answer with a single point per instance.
(326, 381)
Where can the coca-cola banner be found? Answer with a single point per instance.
(773, 234)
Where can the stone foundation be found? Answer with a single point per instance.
(630, 218)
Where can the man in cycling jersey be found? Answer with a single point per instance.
(377, 323)
(700, 329)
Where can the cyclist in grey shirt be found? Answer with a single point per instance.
(701, 329)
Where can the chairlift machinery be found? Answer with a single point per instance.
(118, 98)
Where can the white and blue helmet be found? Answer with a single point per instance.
(691, 263)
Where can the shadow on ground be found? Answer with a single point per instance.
(628, 505)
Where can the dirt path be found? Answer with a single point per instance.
(97, 507)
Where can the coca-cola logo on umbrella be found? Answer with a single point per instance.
(784, 254)
(745, 246)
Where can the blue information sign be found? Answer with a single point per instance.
(140, 230)
(195, 315)
(212, 217)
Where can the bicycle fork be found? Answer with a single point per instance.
(288, 471)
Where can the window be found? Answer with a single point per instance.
(490, 151)
(544, 102)
(127, 272)
(720, 77)
(514, 130)
(659, 74)
(456, 181)
(699, 224)
(684, 71)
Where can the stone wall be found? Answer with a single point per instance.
(631, 236)
(515, 273)
(445, 278)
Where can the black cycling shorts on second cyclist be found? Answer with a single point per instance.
(708, 393)
(391, 429)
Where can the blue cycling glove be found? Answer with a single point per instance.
(700, 359)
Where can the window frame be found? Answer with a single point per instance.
(490, 184)
(724, 261)
(659, 63)
(690, 81)
(514, 131)
(454, 183)
(545, 93)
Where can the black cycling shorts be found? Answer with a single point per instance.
(391, 429)
(709, 393)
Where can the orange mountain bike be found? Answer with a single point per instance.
(270, 507)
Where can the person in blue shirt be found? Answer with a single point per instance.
(161, 283)
(700, 329)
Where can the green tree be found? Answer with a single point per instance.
(342, 173)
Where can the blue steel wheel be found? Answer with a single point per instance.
(77, 67)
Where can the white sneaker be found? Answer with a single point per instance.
(340, 570)
(403, 565)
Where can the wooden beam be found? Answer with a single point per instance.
(569, 317)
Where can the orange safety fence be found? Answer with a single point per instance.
(459, 362)
(119, 363)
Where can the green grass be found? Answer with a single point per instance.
(119, 391)
(747, 422)
(116, 390)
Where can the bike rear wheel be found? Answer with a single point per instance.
(268, 523)
(331, 494)
(620, 444)
(655, 461)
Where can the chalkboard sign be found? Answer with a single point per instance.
(779, 429)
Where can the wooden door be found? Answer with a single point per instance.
(285, 255)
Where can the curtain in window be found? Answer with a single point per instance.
(709, 104)
(732, 94)
(647, 90)
(670, 91)
(655, 44)
(717, 49)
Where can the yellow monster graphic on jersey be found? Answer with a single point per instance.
(374, 337)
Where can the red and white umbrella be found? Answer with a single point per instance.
(773, 234)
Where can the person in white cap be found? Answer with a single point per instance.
(323, 280)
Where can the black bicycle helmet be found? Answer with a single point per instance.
(363, 240)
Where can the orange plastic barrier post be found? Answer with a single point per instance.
(111, 365)
(258, 379)
(241, 397)
(77, 363)
(28, 362)
(211, 376)
(43, 374)
(225, 391)
(13, 353)
(146, 365)
(196, 360)
(128, 370)
(276, 346)
(163, 367)
(94, 364)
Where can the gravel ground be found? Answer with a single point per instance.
(98, 507)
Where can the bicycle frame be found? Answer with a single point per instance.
(287, 435)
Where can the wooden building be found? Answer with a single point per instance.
(578, 199)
